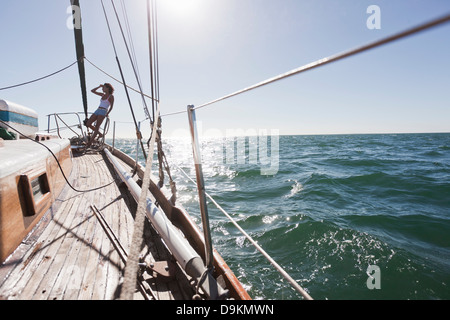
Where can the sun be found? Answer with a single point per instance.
(181, 8)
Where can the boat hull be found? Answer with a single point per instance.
(70, 255)
(181, 219)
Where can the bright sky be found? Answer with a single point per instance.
(208, 49)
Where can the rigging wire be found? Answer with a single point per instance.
(117, 80)
(152, 20)
(154, 79)
(138, 132)
(151, 30)
(153, 68)
(255, 244)
(333, 58)
(155, 13)
(131, 59)
(131, 268)
(130, 38)
(38, 79)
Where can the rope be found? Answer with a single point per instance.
(330, 59)
(131, 269)
(132, 266)
(41, 78)
(117, 80)
(255, 244)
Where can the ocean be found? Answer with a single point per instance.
(363, 216)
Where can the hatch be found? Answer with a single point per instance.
(35, 190)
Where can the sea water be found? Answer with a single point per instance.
(347, 216)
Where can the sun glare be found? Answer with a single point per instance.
(182, 8)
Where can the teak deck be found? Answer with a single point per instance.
(69, 254)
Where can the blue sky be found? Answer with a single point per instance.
(208, 49)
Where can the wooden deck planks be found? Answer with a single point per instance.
(72, 257)
(61, 242)
(63, 265)
(51, 239)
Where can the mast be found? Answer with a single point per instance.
(76, 11)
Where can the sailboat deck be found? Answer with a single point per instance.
(69, 254)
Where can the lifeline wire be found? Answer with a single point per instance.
(324, 61)
(255, 244)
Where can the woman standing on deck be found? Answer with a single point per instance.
(105, 107)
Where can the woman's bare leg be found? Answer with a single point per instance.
(96, 129)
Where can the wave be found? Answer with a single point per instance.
(412, 228)
(336, 205)
(296, 188)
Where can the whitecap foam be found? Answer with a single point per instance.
(296, 188)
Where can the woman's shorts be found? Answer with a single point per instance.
(100, 112)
